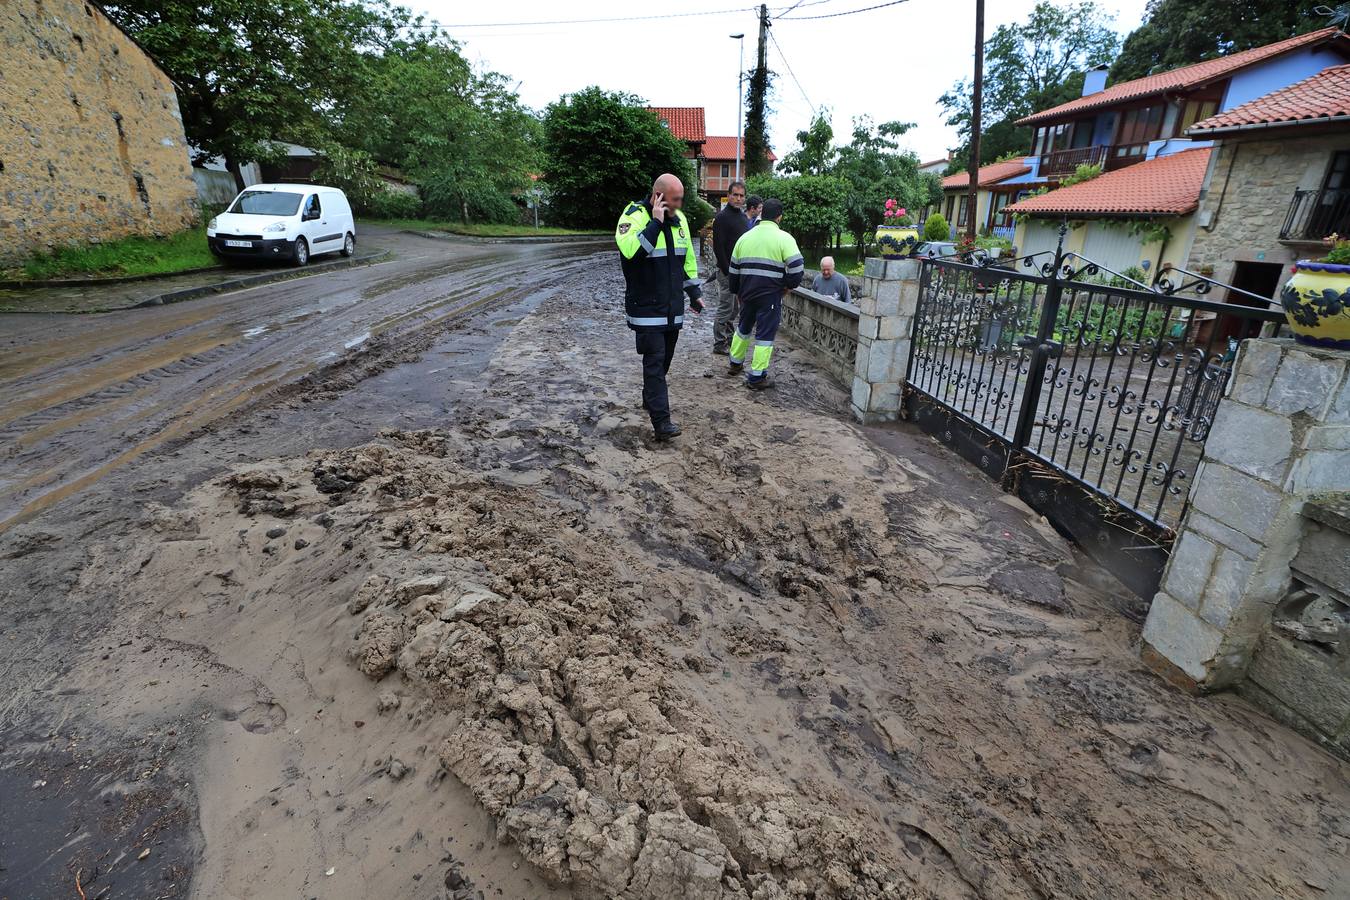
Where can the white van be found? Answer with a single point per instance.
(284, 221)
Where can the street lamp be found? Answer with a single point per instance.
(740, 101)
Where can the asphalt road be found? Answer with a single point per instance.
(85, 395)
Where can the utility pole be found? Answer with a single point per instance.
(740, 100)
(973, 193)
(756, 116)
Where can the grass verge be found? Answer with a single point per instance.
(126, 256)
(479, 230)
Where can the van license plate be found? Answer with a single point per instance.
(238, 243)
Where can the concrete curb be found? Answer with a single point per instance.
(236, 284)
(99, 282)
(544, 239)
(219, 287)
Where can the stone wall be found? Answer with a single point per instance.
(1280, 438)
(824, 326)
(91, 140)
(1243, 222)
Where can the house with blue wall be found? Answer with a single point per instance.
(1134, 121)
(1141, 213)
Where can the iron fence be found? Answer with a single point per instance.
(1090, 393)
(1314, 215)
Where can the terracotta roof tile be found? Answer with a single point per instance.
(720, 147)
(990, 174)
(1166, 185)
(1325, 94)
(1191, 76)
(685, 122)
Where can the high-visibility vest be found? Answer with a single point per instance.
(764, 263)
(659, 266)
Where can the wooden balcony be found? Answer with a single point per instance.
(1065, 162)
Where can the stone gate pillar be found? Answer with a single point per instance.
(886, 319)
(1281, 436)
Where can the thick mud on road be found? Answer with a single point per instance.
(457, 627)
(87, 394)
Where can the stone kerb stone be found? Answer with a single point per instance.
(885, 320)
(1281, 434)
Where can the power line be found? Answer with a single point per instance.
(788, 66)
(684, 15)
(838, 14)
(606, 19)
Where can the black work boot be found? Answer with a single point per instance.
(666, 430)
(721, 349)
(734, 370)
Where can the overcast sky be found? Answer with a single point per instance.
(890, 64)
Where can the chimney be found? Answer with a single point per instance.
(1094, 80)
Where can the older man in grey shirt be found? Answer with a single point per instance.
(831, 283)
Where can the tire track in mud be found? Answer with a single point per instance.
(259, 356)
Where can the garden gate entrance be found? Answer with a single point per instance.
(1088, 393)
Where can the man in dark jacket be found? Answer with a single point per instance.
(728, 227)
(656, 250)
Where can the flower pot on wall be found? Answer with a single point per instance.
(897, 242)
(1317, 303)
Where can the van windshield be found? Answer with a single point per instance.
(266, 203)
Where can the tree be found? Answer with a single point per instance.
(813, 205)
(814, 153)
(1029, 67)
(603, 149)
(1179, 32)
(253, 72)
(874, 170)
(461, 134)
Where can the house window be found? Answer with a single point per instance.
(726, 170)
(996, 208)
(961, 215)
(1196, 110)
(1138, 126)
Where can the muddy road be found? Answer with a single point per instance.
(85, 394)
(438, 619)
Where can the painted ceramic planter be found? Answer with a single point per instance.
(897, 243)
(1317, 302)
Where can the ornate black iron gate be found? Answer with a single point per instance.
(1086, 392)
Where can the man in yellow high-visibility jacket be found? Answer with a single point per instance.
(660, 267)
(765, 265)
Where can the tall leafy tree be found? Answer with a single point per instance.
(462, 134)
(602, 149)
(814, 152)
(1030, 66)
(1179, 32)
(876, 170)
(252, 72)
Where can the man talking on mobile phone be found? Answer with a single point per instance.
(656, 249)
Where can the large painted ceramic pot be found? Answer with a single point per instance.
(1317, 303)
(897, 242)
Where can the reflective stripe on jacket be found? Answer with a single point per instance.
(660, 267)
(765, 263)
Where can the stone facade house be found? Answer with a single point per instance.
(1278, 182)
(91, 139)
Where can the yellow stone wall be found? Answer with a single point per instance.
(91, 139)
